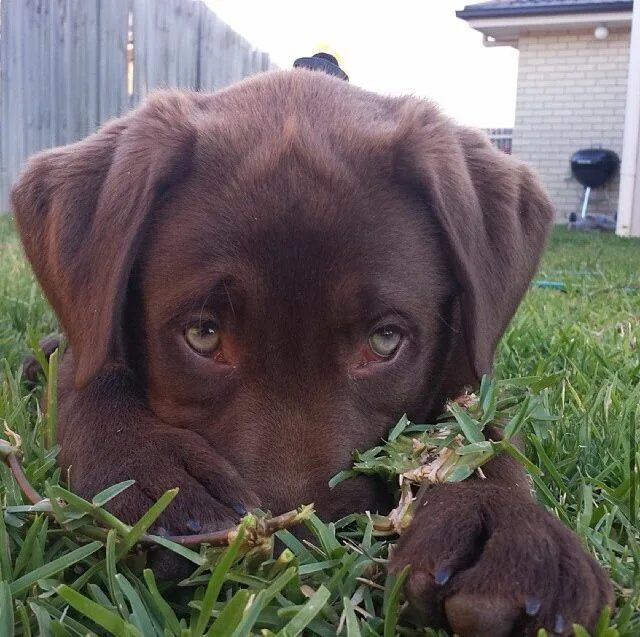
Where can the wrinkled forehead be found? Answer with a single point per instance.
(293, 229)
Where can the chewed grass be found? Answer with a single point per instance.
(67, 568)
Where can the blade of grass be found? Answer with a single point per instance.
(162, 608)
(43, 620)
(25, 620)
(351, 621)
(143, 524)
(393, 589)
(6, 569)
(50, 434)
(20, 585)
(470, 428)
(217, 580)
(230, 615)
(109, 493)
(139, 614)
(112, 584)
(261, 600)
(6, 610)
(27, 547)
(307, 613)
(98, 614)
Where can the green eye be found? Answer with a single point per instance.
(385, 340)
(203, 337)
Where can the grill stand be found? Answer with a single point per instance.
(585, 202)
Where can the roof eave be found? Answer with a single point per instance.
(506, 30)
(469, 13)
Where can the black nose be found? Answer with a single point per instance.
(322, 62)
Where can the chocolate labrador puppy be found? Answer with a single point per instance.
(256, 282)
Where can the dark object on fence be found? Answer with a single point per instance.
(593, 167)
(322, 62)
(501, 138)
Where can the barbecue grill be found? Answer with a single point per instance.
(593, 167)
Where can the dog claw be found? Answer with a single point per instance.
(558, 627)
(239, 508)
(442, 576)
(194, 526)
(532, 607)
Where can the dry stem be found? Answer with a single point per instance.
(267, 527)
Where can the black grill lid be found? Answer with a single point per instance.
(594, 166)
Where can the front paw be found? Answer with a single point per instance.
(487, 562)
(211, 496)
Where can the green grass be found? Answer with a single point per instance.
(585, 342)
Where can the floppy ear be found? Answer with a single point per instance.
(494, 216)
(81, 211)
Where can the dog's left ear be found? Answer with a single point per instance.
(82, 211)
(493, 215)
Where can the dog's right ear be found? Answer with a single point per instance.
(81, 211)
(491, 215)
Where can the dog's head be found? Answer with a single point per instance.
(286, 266)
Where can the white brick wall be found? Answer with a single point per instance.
(571, 95)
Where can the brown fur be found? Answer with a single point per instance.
(299, 211)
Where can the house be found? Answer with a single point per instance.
(574, 84)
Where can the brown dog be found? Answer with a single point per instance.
(257, 282)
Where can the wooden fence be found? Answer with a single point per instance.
(66, 66)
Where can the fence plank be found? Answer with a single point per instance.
(63, 66)
(113, 99)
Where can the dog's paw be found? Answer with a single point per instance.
(486, 562)
(211, 494)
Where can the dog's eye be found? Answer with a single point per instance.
(385, 340)
(203, 337)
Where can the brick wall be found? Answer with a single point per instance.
(571, 95)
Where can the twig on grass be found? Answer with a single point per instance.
(25, 486)
(261, 529)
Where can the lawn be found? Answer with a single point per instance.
(584, 341)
